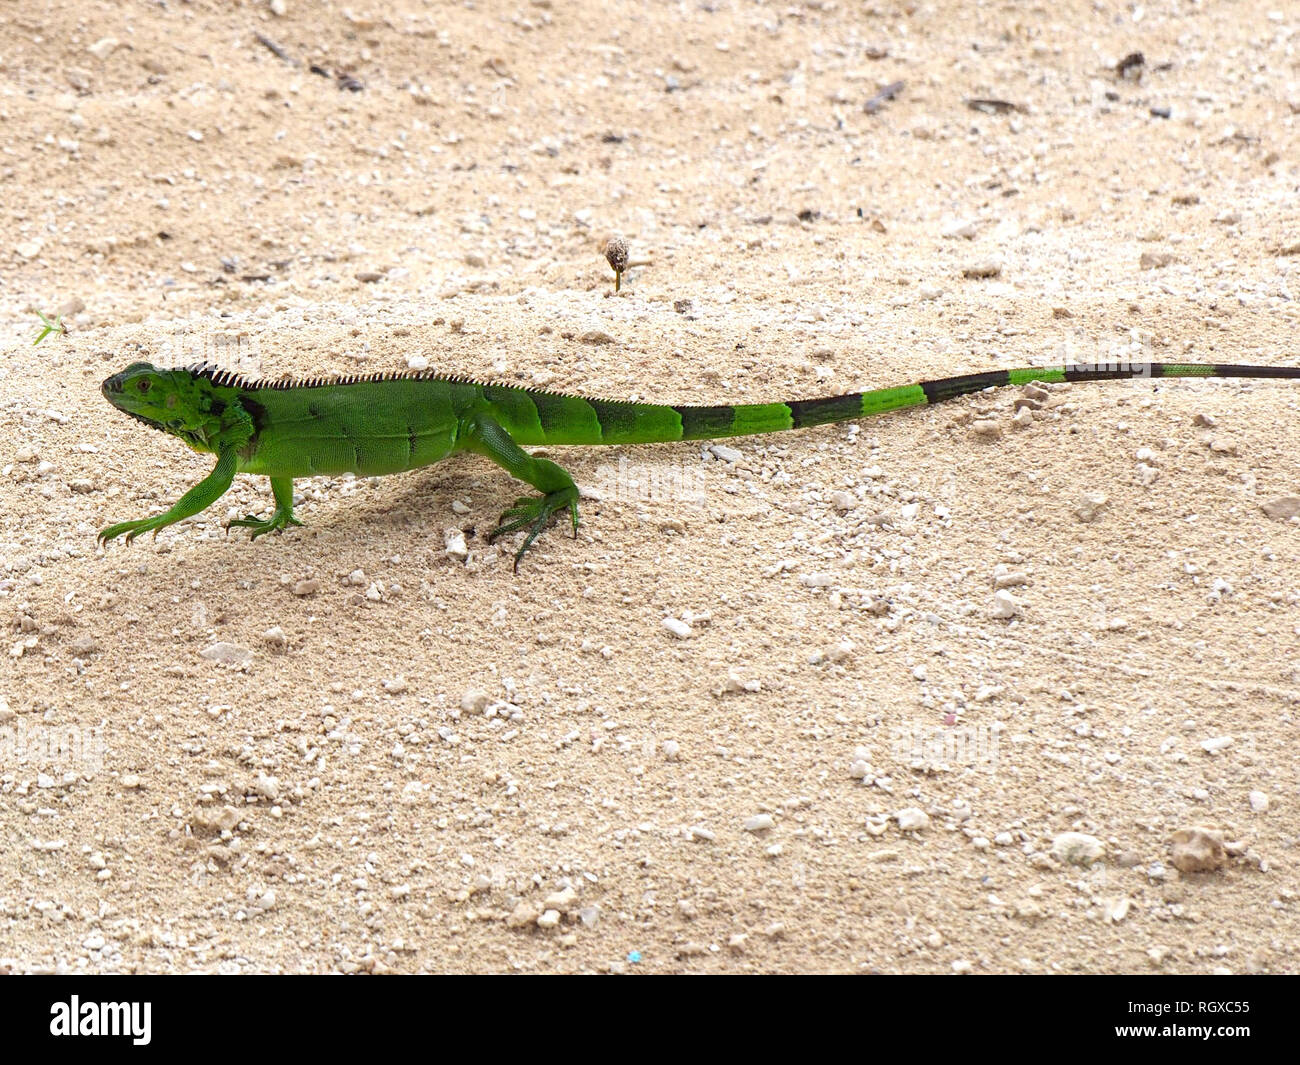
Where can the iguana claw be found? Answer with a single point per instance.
(535, 512)
(132, 529)
(276, 522)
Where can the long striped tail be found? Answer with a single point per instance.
(570, 420)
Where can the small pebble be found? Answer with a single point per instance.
(561, 900)
(912, 819)
(1090, 506)
(228, 653)
(1283, 508)
(759, 823)
(983, 269)
(456, 548)
(474, 701)
(1077, 848)
(1005, 605)
(1198, 850)
(678, 628)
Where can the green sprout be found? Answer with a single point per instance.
(55, 326)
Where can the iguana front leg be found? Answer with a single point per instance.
(282, 489)
(198, 498)
(485, 436)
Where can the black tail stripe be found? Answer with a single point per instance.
(702, 423)
(807, 412)
(616, 419)
(1229, 370)
(950, 387)
(1101, 373)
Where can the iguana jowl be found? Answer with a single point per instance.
(390, 423)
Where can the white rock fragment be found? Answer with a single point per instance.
(961, 229)
(759, 823)
(455, 546)
(1091, 506)
(562, 900)
(228, 653)
(1008, 578)
(860, 764)
(524, 914)
(725, 453)
(418, 363)
(1258, 802)
(1216, 744)
(912, 819)
(987, 428)
(736, 683)
(1005, 605)
(103, 48)
(474, 701)
(1077, 848)
(678, 628)
(549, 919)
(836, 653)
(982, 269)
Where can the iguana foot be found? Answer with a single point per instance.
(535, 512)
(281, 519)
(131, 529)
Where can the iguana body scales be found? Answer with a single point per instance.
(391, 423)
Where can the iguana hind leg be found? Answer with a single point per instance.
(198, 498)
(282, 489)
(485, 436)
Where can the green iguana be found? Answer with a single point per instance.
(390, 423)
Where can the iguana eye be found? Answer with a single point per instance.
(145, 386)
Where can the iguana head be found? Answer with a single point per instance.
(185, 403)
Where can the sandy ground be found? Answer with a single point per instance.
(346, 748)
